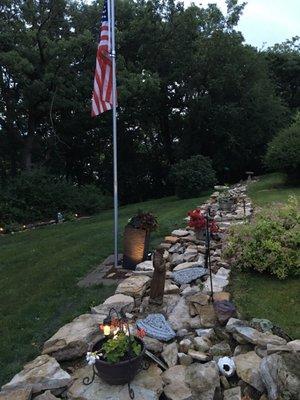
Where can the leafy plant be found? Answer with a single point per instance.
(144, 220)
(192, 176)
(283, 152)
(198, 221)
(120, 347)
(270, 244)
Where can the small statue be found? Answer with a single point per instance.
(159, 276)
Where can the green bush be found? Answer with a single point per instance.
(192, 176)
(38, 196)
(283, 153)
(270, 244)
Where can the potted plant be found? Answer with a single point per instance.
(137, 238)
(198, 221)
(117, 357)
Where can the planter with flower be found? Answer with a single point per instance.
(118, 357)
(201, 224)
(137, 238)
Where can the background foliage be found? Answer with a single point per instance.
(187, 85)
(192, 176)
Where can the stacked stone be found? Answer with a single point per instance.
(188, 332)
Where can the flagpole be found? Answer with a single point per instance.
(114, 118)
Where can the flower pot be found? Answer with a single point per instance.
(136, 246)
(121, 372)
(226, 204)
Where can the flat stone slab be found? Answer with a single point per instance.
(73, 339)
(43, 373)
(157, 327)
(180, 232)
(188, 275)
(147, 385)
(117, 301)
(134, 286)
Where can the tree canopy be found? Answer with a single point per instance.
(187, 85)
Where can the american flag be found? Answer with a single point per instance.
(102, 94)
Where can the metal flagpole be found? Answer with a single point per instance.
(114, 116)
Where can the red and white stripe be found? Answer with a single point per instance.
(102, 93)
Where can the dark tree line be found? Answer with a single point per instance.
(187, 85)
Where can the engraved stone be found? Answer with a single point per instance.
(157, 327)
(188, 275)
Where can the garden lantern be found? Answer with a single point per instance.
(117, 357)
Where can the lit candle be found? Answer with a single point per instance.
(106, 330)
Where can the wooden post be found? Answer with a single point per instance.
(159, 276)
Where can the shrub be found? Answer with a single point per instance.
(192, 176)
(283, 153)
(38, 195)
(270, 244)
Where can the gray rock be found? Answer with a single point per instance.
(201, 344)
(134, 286)
(180, 317)
(247, 368)
(43, 373)
(281, 375)
(233, 393)
(206, 333)
(250, 335)
(170, 354)
(153, 345)
(187, 265)
(145, 266)
(221, 349)
(73, 339)
(175, 388)
(170, 288)
(46, 396)
(18, 394)
(147, 385)
(188, 275)
(198, 355)
(185, 345)
(263, 325)
(294, 345)
(242, 348)
(185, 359)
(203, 379)
(177, 248)
(176, 259)
(180, 232)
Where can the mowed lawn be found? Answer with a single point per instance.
(261, 296)
(39, 270)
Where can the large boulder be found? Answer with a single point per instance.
(281, 375)
(203, 379)
(180, 317)
(175, 388)
(43, 373)
(72, 340)
(247, 368)
(147, 385)
(134, 286)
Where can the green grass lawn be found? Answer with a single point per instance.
(261, 296)
(39, 270)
